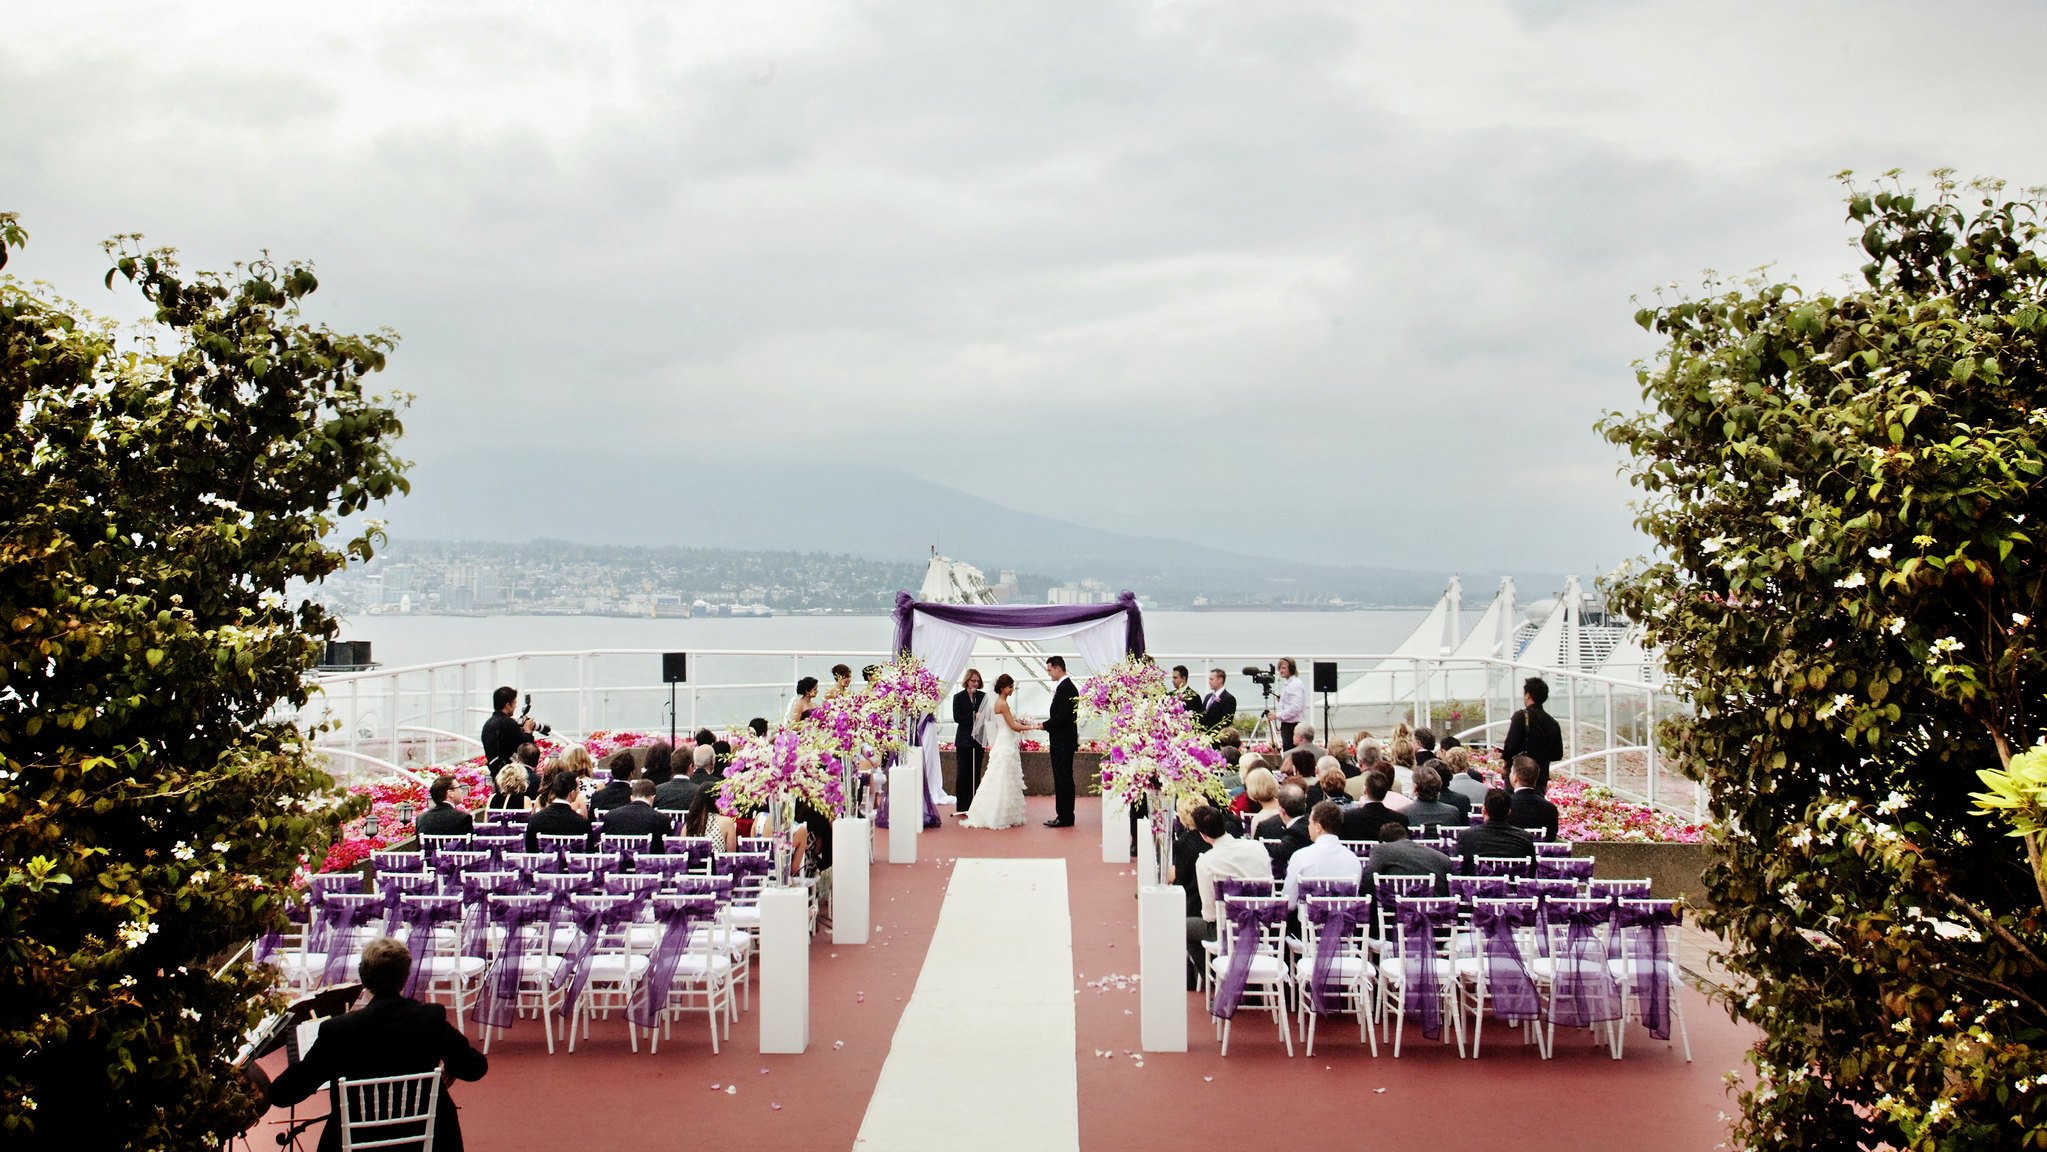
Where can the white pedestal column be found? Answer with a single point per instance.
(852, 854)
(785, 969)
(905, 806)
(1115, 832)
(1148, 872)
(1162, 967)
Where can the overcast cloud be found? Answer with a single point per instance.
(1354, 276)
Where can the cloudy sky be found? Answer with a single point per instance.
(1352, 279)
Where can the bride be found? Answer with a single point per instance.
(999, 801)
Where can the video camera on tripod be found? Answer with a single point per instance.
(1264, 677)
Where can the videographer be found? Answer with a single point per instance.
(502, 734)
(1293, 702)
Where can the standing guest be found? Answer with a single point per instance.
(1218, 708)
(443, 818)
(511, 793)
(1534, 733)
(968, 749)
(1363, 821)
(636, 817)
(1226, 856)
(1330, 783)
(655, 766)
(705, 821)
(1190, 700)
(1396, 855)
(1530, 809)
(1304, 737)
(1324, 856)
(1062, 734)
(392, 1035)
(528, 759)
(1261, 799)
(1293, 702)
(842, 682)
(502, 735)
(620, 790)
(1464, 780)
(675, 794)
(1292, 836)
(1496, 837)
(806, 700)
(562, 815)
(1428, 809)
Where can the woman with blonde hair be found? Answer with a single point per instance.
(1187, 848)
(1402, 755)
(511, 793)
(1261, 788)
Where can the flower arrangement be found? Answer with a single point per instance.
(1587, 811)
(1152, 741)
(785, 765)
(383, 827)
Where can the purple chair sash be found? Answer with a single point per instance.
(718, 888)
(498, 1004)
(1499, 866)
(1508, 984)
(738, 864)
(314, 911)
(1326, 887)
(1229, 886)
(592, 918)
(397, 884)
(343, 917)
(1422, 988)
(1645, 925)
(666, 866)
(1336, 919)
(1469, 889)
(1584, 992)
(678, 917)
(641, 886)
(1564, 867)
(1246, 917)
(419, 917)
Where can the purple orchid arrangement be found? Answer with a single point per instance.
(785, 765)
(1152, 743)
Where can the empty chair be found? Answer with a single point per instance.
(393, 885)
(1502, 865)
(523, 967)
(527, 863)
(432, 846)
(1251, 931)
(352, 920)
(605, 964)
(1617, 889)
(1492, 967)
(625, 842)
(1577, 868)
(430, 927)
(1468, 889)
(398, 861)
(1559, 848)
(1335, 972)
(1414, 974)
(1646, 969)
(687, 972)
(1580, 989)
(1362, 849)
(571, 842)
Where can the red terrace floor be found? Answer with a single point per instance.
(606, 1097)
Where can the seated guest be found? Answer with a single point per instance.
(704, 763)
(1402, 753)
(636, 817)
(654, 766)
(1329, 783)
(704, 738)
(1261, 796)
(511, 793)
(528, 758)
(620, 790)
(704, 820)
(575, 760)
(1363, 821)
(1495, 837)
(1368, 762)
(1324, 856)
(392, 1035)
(681, 788)
(1285, 839)
(1428, 809)
(1304, 737)
(1300, 765)
(1396, 855)
(1187, 849)
(723, 748)
(443, 819)
(1464, 780)
(1424, 746)
(562, 815)
(1230, 743)
(1226, 856)
(759, 727)
(1529, 809)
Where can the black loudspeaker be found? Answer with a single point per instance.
(1325, 676)
(675, 667)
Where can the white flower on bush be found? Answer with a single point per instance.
(133, 935)
(1712, 544)
(1945, 646)
(1854, 580)
(1896, 625)
(1787, 493)
(2020, 619)
(182, 850)
(1883, 553)
(1894, 802)
(220, 845)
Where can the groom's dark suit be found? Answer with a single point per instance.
(1062, 733)
(967, 753)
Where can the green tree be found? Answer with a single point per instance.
(161, 496)
(1845, 491)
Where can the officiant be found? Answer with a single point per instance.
(970, 714)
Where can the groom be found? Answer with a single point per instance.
(1063, 734)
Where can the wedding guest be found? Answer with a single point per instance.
(1226, 856)
(636, 817)
(1324, 856)
(681, 788)
(1402, 767)
(1496, 837)
(528, 758)
(1293, 702)
(704, 738)
(1261, 796)
(1304, 738)
(443, 818)
(1396, 855)
(1219, 707)
(704, 764)
(806, 700)
(563, 815)
(759, 727)
(1300, 765)
(1230, 743)
(620, 790)
(1534, 733)
(511, 793)
(842, 681)
(392, 1035)
(1530, 809)
(1187, 849)
(1464, 780)
(654, 765)
(1292, 836)
(1329, 782)
(1363, 821)
(1428, 809)
(1424, 746)
(704, 820)
(1368, 761)
(575, 760)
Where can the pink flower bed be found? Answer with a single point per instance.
(1587, 811)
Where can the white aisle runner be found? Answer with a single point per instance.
(983, 1056)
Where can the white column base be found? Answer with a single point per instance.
(905, 806)
(785, 969)
(852, 854)
(1115, 832)
(1162, 967)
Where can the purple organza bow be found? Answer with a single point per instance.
(738, 864)
(1245, 917)
(1584, 993)
(343, 917)
(592, 918)
(1422, 988)
(638, 885)
(1324, 887)
(1336, 919)
(678, 917)
(1229, 886)
(667, 867)
(1650, 961)
(1508, 984)
(719, 888)
(420, 918)
(1468, 889)
(498, 1004)
(397, 885)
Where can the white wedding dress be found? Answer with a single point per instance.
(999, 801)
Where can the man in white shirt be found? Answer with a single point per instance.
(1226, 856)
(1293, 702)
(1324, 857)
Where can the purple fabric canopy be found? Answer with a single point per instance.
(973, 616)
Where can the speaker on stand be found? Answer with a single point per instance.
(674, 670)
(1325, 683)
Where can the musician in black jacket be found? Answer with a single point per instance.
(636, 817)
(560, 816)
(443, 819)
(390, 1036)
(502, 735)
(1062, 734)
(1534, 733)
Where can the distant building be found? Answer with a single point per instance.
(1005, 589)
(1085, 592)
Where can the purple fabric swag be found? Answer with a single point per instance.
(1245, 917)
(1508, 984)
(1337, 919)
(679, 917)
(1584, 993)
(1422, 986)
(1650, 961)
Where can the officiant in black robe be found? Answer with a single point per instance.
(968, 756)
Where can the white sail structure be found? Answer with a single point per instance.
(1436, 637)
(948, 581)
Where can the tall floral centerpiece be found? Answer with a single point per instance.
(1153, 749)
(783, 768)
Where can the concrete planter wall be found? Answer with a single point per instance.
(1037, 766)
(1675, 869)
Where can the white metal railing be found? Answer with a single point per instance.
(392, 716)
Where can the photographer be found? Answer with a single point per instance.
(1293, 702)
(502, 734)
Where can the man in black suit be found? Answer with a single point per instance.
(1218, 708)
(528, 757)
(636, 817)
(1396, 855)
(502, 735)
(1534, 733)
(390, 1036)
(443, 819)
(1062, 734)
(558, 817)
(1529, 809)
(681, 790)
(1496, 837)
(620, 790)
(966, 742)
(1282, 840)
(1189, 698)
(1363, 821)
